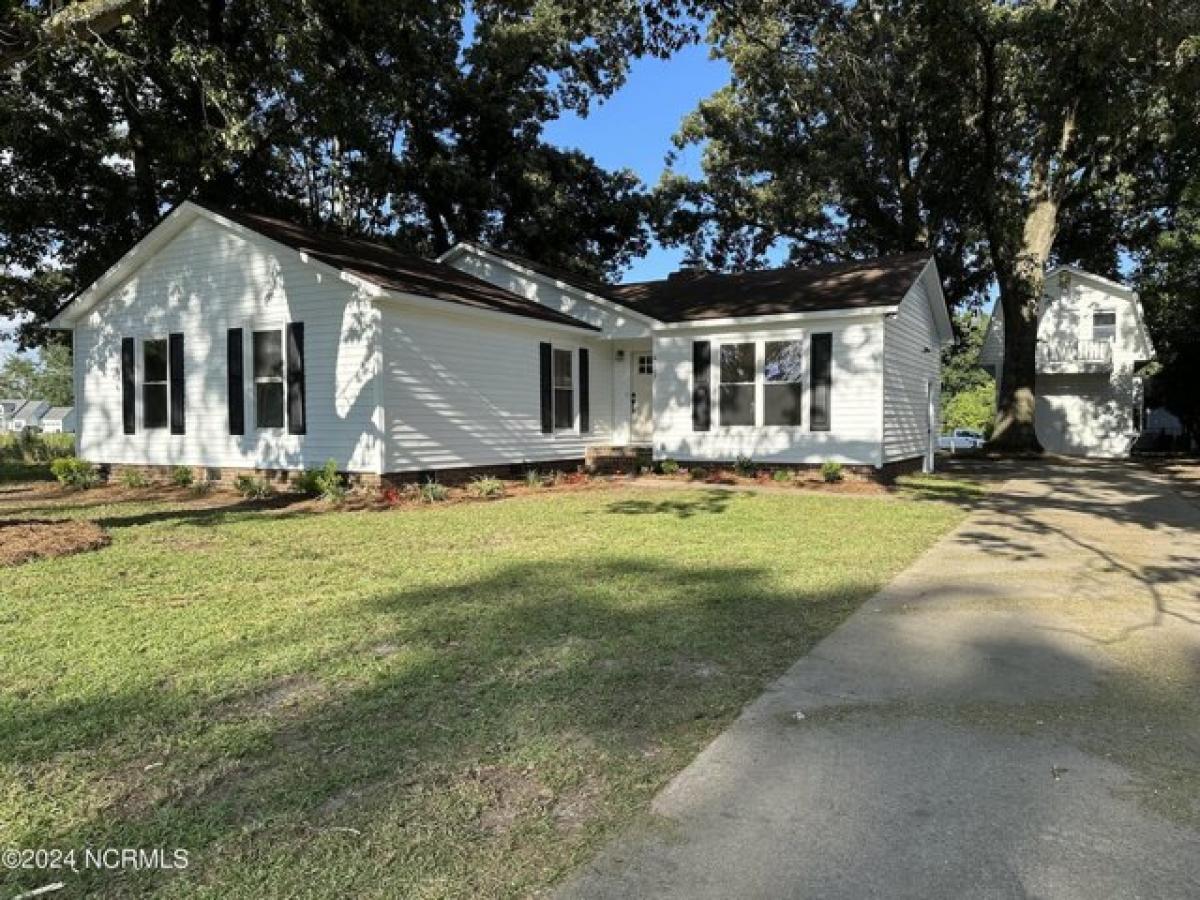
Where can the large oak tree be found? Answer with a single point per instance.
(417, 122)
(1002, 135)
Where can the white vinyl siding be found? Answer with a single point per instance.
(207, 279)
(465, 390)
(613, 320)
(856, 394)
(911, 360)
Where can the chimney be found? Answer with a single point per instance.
(691, 267)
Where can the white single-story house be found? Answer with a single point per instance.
(27, 416)
(1091, 343)
(59, 420)
(231, 341)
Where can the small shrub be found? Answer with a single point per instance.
(831, 471)
(669, 467)
(200, 488)
(134, 478)
(697, 473)
(74, 472)
(432, 492)
(534, 478)
(181, 476)
(324, 482)
(782, 475)
(252, 488)
(391, 495)
(487, 487)
(744, 466)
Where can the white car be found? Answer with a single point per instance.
(961, 439)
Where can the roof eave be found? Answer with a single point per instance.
(469, 247)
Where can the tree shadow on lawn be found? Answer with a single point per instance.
(565, 677)
(710, 502)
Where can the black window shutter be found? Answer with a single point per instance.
(295, 377)
(128, 386)
(585, 419)
(234, 374)
(547, 390)
(175, 356)
(701, 385)
(822, 382)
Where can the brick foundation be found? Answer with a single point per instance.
(886, 474)
(458, 476)
(224, 476)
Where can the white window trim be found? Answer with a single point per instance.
(573, 428)
(1110, 310)
(248, 366)
(140, 390)
(760, 381)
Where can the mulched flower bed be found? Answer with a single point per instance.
(22, 541)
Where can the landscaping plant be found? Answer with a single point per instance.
(669, 467)
(74, 472)
(487, 487)
(252, 488)
(134, 478)
(181, 476)
(831, 471)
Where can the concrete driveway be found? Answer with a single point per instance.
(1017, 715)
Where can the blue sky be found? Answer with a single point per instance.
(633, 129)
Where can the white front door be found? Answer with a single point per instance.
(641, 389)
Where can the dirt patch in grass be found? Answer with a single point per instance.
(22, 541)
(505, 795)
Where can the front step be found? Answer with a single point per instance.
(618, 459)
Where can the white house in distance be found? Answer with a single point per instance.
(59, 420)
(28, 415)
(1091, 342)
(234, 341)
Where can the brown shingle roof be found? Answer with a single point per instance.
(396, 271)
(687, 297)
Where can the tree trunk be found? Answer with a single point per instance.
(1015, 399)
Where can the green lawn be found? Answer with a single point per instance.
(459, 701)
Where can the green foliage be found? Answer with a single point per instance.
(201, 488)
(487, 487)
(134, 478)
(744, 466)
(1169, 280)
(697, 473)
(668, 467)
(534, 478)
(48, 376)
(999, 135)
(831, 471)
(74, 472)
(782, 475)
(439, 141)
(974, 408)
(324, 482)
(432, 492)
(32, 447)
(182, 476)
(253, 488)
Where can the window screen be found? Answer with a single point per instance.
(737, 384)
(268, 379)
(1104, 325)
(154, 384)
(564, 391)
(783, 388)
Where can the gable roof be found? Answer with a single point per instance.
(57, 412)
(392, 270)
(376, 263)
(691, 297)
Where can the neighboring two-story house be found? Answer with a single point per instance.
(1091, 344)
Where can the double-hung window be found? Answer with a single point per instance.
(738, 388)
(564, 391)
(1104, 325)
(154, 383)
(783, 384)
(268, 379)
